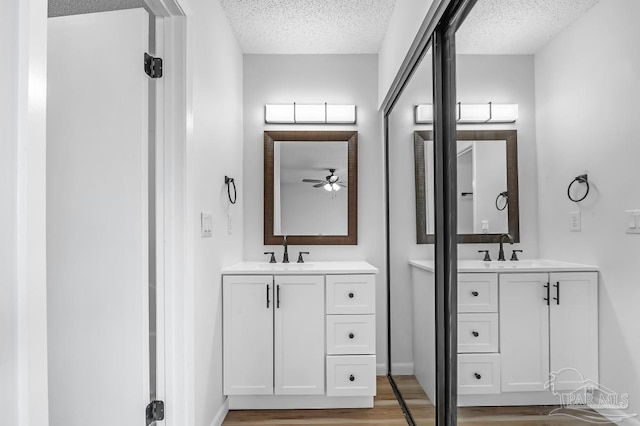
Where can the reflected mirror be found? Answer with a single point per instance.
(487, 187)
(310, 187)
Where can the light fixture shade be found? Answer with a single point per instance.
(327, 186)
(503, 113)
(310, 113)
(473, 113)
(279, 113)
(335, 187)
(341, 114)
(424, 114)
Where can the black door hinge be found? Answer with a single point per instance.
(155, 411)
(152, 66)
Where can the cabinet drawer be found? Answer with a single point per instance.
(477, 333)
(351, 375)
(351, 294)
(478, 374)
(351, 334)
(477, 293)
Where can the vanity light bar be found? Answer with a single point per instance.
(309, 114)
(472, 113)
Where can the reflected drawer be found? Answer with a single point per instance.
(477, 333)
(351, 294)
(351, 334)
(477, 293)
(478, 374)
(351, 375)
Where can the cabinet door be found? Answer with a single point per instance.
(247, 309)
(299, 335)
(524, 332)
(573, 328)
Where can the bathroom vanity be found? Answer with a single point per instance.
(526, 329)
(299, 335)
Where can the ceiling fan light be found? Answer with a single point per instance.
(335, 187)
(327, 186)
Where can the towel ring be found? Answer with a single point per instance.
(579, 179)
(229, 181)
(504, 195)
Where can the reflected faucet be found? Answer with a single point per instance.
(501, 252)
(285, 258)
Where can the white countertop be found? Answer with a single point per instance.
(293, 268)
(524, 265)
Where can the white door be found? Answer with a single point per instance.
(97, 219)
(524, 332)
(299, 335)
(573, 328)
(247, 318)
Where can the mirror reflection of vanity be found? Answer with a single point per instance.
(487, 189)
(310, 187)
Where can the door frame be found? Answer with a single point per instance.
(174, 283)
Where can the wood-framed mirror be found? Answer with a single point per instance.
(487, 186)
(311, 187)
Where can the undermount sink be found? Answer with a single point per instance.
(284, 266)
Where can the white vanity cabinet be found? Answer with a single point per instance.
(520, 325)
(302, 336)
(549, 324)
(273, 335)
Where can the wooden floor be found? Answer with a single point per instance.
(423, 411)
(387, 411)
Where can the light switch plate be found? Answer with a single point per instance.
(206, 224)
(632, 221)
(229, 223)
(575, 222)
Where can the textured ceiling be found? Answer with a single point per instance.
(507, 27)
(309, 26)
(77, 7)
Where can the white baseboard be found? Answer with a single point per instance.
(402, 368)
(381, 369)
(221, 414)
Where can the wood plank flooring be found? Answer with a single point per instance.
(423, 411)
(387, 412)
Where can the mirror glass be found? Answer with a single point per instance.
(309, 196)
(487, 189)
(311, 187)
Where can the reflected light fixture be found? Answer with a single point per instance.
(332, 187)
(309, 114)
(472, 113)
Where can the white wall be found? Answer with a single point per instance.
(8, 214)
(340, 79)
(23, 333)
(214, 149)
(313, 211)
(501, 79)
(404, 25)
(587, 92)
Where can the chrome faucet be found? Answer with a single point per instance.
(501, 252)
(285, 258)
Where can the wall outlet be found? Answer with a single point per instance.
(229, 223)
(575, 222)
(484, 225)
(633, 221)
(206, 224)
